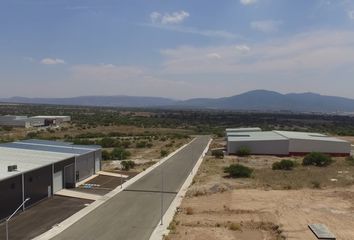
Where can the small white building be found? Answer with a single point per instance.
(286, 143)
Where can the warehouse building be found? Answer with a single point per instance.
(36, 121)
(37, 169)
(236, 131)
(285, 143)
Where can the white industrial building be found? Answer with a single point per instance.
(37, 169)
(36, 121)
(285, 143)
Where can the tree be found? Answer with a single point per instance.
(106, 155)
(238, 171)
(317, 159)
(107, 142)
(120, 154)
(127, 165)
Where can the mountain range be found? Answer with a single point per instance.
(257, 100)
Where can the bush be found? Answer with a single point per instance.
(120, 154)
(218, 153)
(106, 155)
(317, 159)
(243, 151)
(238, 171)
(163, 153)
(32, 135)
(283, 165)
(127, 165)
(107, 142)
(350, 160)
(141, 144)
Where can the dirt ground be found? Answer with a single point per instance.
(269, 205)
(266, 215)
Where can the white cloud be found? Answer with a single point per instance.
(248, 2)
(351, 14)
(213, 56)
(169, 18)
(266, 26)
(317, 52)
(191, 30)
(242, 48)
(52, 61)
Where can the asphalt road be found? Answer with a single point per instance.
(134, 213)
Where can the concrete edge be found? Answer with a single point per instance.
(162, 230)
(57, 229)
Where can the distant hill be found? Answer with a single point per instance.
(262, 100)
(258, 100)
(108, 101)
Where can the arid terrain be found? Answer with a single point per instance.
(272, 204)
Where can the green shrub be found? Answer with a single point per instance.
(163, 153)
(238, 171)
(32, 135)
(283, 165)
(317, 159)
(218, 153)
(350, 160)
(107, 142)
(106, 155)
(120, 154)
(127, 165)
(141, 144)
(243, 151)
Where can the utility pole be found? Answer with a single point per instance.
(161, 194)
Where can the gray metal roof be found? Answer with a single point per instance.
(51, 146)
(256, 136)
(27, 160)
(308, 136)
(32, 154)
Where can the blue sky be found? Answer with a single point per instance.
(179, 49)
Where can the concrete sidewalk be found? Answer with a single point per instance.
(76, 194)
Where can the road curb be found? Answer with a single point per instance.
(162, 230)
(57, 229)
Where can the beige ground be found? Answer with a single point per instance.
(254, 208)
(269, 205)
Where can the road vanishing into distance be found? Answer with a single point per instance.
(134, 213)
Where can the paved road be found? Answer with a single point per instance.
(134, 213)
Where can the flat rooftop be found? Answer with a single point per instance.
(253, 129)
(32, 154)
(280, 135)
(256, 136)
(308, 136)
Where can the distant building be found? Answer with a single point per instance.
(36, 121)
(38, 169)
(286, 143)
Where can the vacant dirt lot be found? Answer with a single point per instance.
(269, 205)
(259, 214)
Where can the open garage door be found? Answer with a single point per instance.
(57, 181)
(85, 166)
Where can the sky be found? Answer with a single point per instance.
(175, 48)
